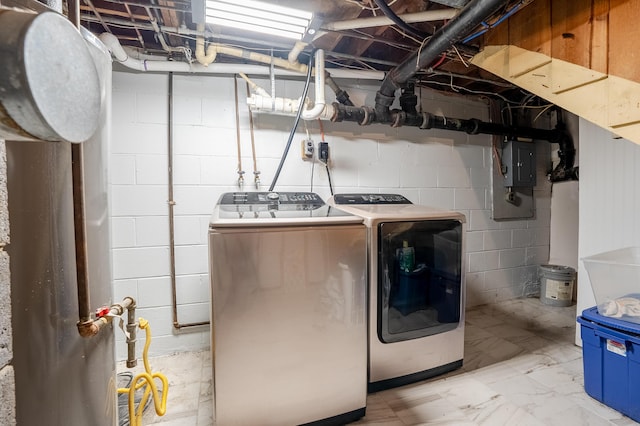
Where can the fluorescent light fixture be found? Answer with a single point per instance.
(251, 15)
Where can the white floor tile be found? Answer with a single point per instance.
(521, 368)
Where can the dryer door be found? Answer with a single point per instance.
(419, 278)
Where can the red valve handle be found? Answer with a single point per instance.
(101, 312)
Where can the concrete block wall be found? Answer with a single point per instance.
(443, 169)
(7, 381)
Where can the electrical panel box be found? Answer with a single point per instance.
(519, 161)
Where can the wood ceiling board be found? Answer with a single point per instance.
(530, 28)
(599, 51)
(612, 102)
(630, 132)
(624, 103)
(624, 56)
(565, 78)
(360, 47)
(571, 31)
(118, 13)
(170, 18)
(510, 61)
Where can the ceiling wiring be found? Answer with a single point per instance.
(407, 35)
(542, 112)
(367, 36)
(475, 92)
(460, 56)
(370, 8)
(384, 50)
(352, 67)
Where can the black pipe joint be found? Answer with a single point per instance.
(362, 115)
(398, 118)
(343, 98)
(474, 128)
(383, 102)
(427, 121)
(408, 102)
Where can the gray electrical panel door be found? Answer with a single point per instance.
(520, 161)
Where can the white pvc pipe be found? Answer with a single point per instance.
(113, 44)
(378, 21)
(210, 56)
(283, 106)
(318, 107)
(295, 52)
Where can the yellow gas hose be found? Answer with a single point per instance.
(146, 380)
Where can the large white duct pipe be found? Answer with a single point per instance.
(114, 46)
(378, 21)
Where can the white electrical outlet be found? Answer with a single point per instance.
(307, 149)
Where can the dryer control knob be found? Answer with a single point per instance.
(273, 196)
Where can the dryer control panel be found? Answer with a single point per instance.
(346, 199)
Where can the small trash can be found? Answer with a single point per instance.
(556, 284)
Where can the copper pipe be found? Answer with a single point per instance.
(92, 327)
(171, 202)
(172, 232)
(132, 326)
(82, 267)
(238, 141)
(74, 12)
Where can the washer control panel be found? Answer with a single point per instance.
(346, 199)
(274, 208)
(297, 199)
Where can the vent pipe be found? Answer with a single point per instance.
(474, 13)
(462, 24)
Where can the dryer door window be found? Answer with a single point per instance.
(419, 278)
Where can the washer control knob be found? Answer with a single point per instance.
(273, 196)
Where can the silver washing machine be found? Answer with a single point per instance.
(416, 288)
(288, 310)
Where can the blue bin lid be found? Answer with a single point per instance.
(591, 314)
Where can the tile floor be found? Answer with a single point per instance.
(521, 367)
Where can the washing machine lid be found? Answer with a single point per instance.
(378, 207)
(241, 209)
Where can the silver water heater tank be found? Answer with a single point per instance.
(55, 85)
